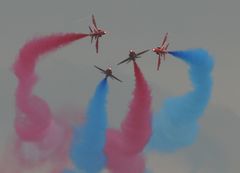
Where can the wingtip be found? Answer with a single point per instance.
(119, 80)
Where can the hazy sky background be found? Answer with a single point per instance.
(68, 76)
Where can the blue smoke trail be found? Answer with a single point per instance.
(175, 125)
(89, 140)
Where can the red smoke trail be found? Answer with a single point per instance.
(124, 148)
(34, 122)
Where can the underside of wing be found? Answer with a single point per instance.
(159, 62)
(164, 40)
(94, 22)
(97, 44)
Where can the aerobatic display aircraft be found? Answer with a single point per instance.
(108, 73)
(96, 33)
(133, 56)
(161, 51)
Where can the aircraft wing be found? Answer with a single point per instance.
(166, 47)
(164, 39)
(99, 69)
(124, 61)
(94, 22)
(140, 53)
(115, 78)
(159, 62)
(97, 44)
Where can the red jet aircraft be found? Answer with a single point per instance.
(95, 33)
(161, 51)
(108, 73)
(133, 56)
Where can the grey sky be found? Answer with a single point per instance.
(210, 24)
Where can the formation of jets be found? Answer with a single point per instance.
(161, 51)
